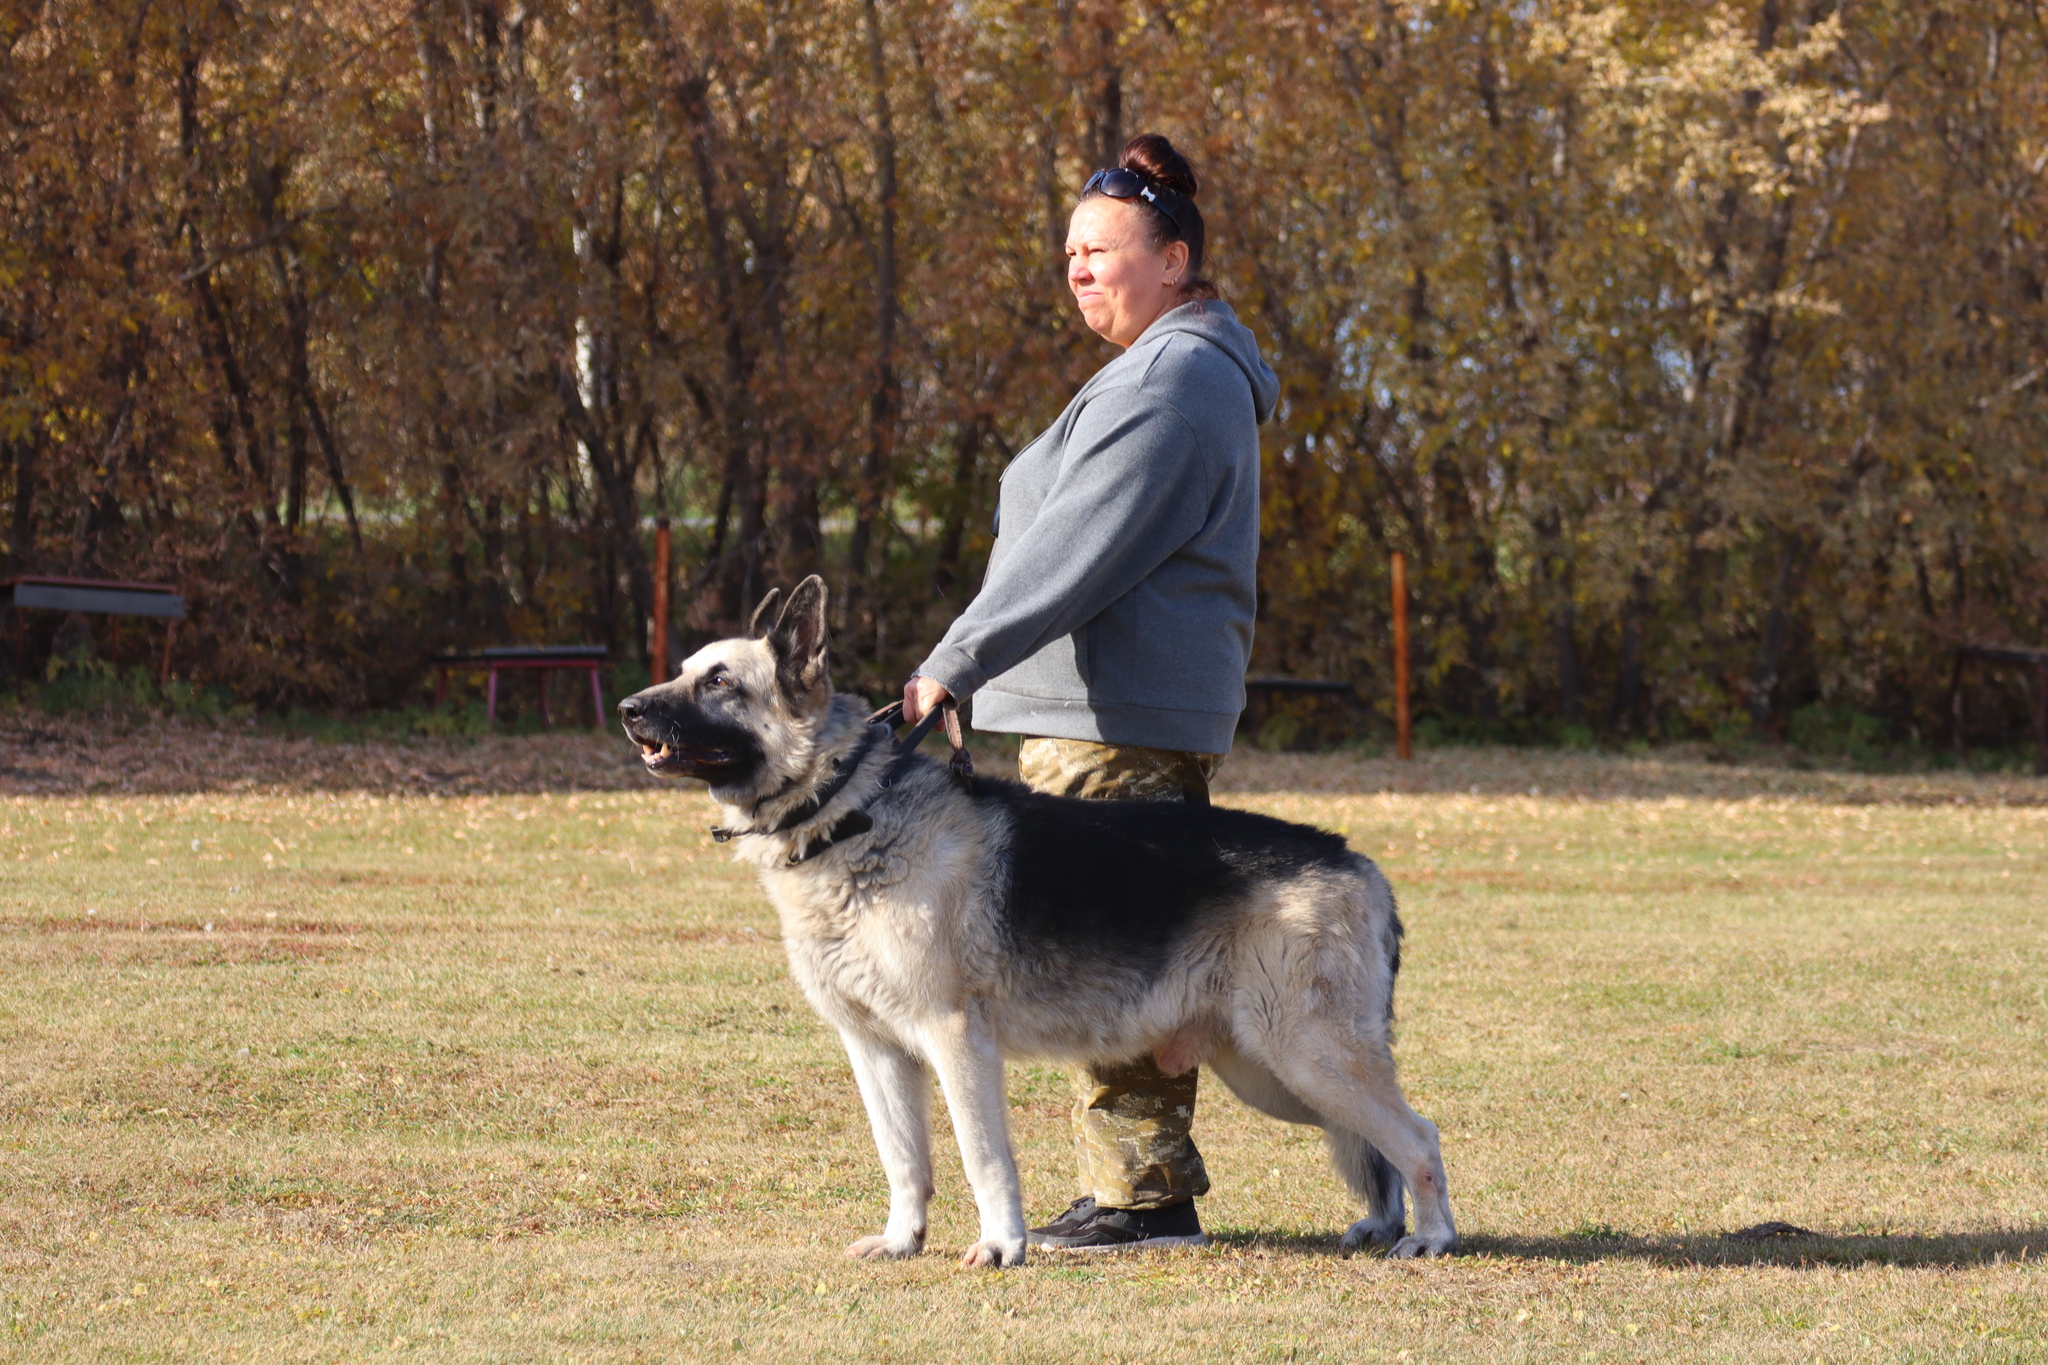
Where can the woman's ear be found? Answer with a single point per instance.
(1176, 263)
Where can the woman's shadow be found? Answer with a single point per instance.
(1775, 1244)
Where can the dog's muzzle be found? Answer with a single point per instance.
(664, 752)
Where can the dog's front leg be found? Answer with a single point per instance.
(970, 1069)
(897, 1093)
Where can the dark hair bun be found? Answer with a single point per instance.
(1155, 158)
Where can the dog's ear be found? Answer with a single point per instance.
(799, 639)
(764, 615)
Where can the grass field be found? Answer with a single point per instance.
(331, 1074)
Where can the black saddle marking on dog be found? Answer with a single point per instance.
(1124, 880)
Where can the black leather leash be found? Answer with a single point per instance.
(858, 821)
(961, 763)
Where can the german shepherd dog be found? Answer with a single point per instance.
(942, 924)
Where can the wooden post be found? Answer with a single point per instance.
(163, 675)
(1402, 741)
(659, 671)
(1955, 703)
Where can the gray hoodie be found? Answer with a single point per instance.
(1119, 598)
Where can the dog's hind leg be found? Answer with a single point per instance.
(970, 1070)
(1258, 1087)
(1376, 1183)
(897, 1092)
(1350, 1081)
(1371, 1177)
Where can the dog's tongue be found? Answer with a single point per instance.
(654, 753)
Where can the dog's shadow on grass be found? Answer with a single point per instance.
(1772, 1244)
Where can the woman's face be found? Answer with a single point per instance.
(1120, 280)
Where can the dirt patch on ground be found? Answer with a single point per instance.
(1683, 770)
(180, 943)
(45, 757)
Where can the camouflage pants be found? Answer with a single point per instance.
(1131, 1121)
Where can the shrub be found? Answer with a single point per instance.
(1840, 732)
(78, 682)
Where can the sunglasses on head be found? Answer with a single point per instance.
(1121, 182)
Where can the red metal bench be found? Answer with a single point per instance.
(538, 659)
(103, 596)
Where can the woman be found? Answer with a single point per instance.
(1115, 622)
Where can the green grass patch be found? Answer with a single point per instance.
(341, 1074)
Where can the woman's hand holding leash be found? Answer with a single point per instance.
(920, 695)
(925, 704)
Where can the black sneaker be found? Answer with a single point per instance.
(1094, 1228)
(1078, 1212)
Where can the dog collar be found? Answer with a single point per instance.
(843, 770)
(854, 822)
(857, 821)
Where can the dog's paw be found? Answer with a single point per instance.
(882, 1247)
(995, 1254)
(1366, 1233)
(1417, 1247)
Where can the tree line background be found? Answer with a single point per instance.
(1694, 353)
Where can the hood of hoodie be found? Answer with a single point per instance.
(1214, 322)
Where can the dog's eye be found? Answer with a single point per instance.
(719, 680)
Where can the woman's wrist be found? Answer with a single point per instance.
(952, 668)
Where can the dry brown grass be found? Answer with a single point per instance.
(520, 1076)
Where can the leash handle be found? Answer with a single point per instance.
(962, 762)
(948, 711)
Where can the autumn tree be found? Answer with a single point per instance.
(1693, 354)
